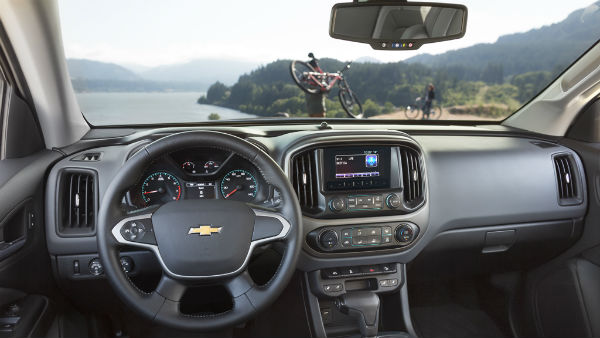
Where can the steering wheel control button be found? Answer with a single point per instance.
(126, 264)
(337, 204)
(96, 267)
(393, 201)
(133, 231)
(328, 239)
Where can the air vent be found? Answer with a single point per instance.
(412, 177)
(566, 178)
(77, 203)
(304, 179)
(88, 157)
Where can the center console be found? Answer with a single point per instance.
(339, 186)
(364, 206)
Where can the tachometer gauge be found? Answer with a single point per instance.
(161, 187)
(239, 185)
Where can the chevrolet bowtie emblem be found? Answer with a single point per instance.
(204, 230)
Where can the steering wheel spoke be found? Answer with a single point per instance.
(239, 284)
(269, 227)
(170, 288)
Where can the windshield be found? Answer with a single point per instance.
(153, 62)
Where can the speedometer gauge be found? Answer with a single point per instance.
(161, 187)
(239, 185)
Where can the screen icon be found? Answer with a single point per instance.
(371, 161)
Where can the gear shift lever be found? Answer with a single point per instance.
(364, 307)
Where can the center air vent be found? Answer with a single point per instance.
(412, 177)
(77, 203)
(567, 180)
(304, 179)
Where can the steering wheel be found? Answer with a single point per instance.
(199, 242)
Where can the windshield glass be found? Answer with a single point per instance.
(152, 62)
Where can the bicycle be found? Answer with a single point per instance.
(413, 111)
(313, 80)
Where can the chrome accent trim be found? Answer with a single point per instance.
(286, 226)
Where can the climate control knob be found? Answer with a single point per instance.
(393, 201)
(406, 233)
(328, 239)
(337, 204)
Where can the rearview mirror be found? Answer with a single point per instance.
(393, 25)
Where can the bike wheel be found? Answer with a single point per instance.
(435, 113)
(298, 70)
(411, 112)
(350, 103)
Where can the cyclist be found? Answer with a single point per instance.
(429, 97)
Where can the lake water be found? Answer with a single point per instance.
(149, 108)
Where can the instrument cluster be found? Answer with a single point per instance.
(202, 173)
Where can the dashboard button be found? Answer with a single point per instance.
(337, 204)
(331, 273)
(347, 233)
(386, 231)
(373, 239)
(371, 269)
(96, 267)
(347, 242)
(374, 231)
(388, 267)
(404, 233)
(386, 239)
(393, 201)
(328, 239)
(350, 271)
(359, 240)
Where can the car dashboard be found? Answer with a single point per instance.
(374, 200)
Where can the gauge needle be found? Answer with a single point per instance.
(150, 192)
(232, 191)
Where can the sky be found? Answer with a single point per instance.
(149, 33)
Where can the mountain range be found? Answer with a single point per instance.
(549, 48)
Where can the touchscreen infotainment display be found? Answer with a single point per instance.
(356, 165)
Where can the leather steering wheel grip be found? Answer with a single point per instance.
(161, 309)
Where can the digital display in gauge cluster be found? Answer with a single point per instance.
(200, 190)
